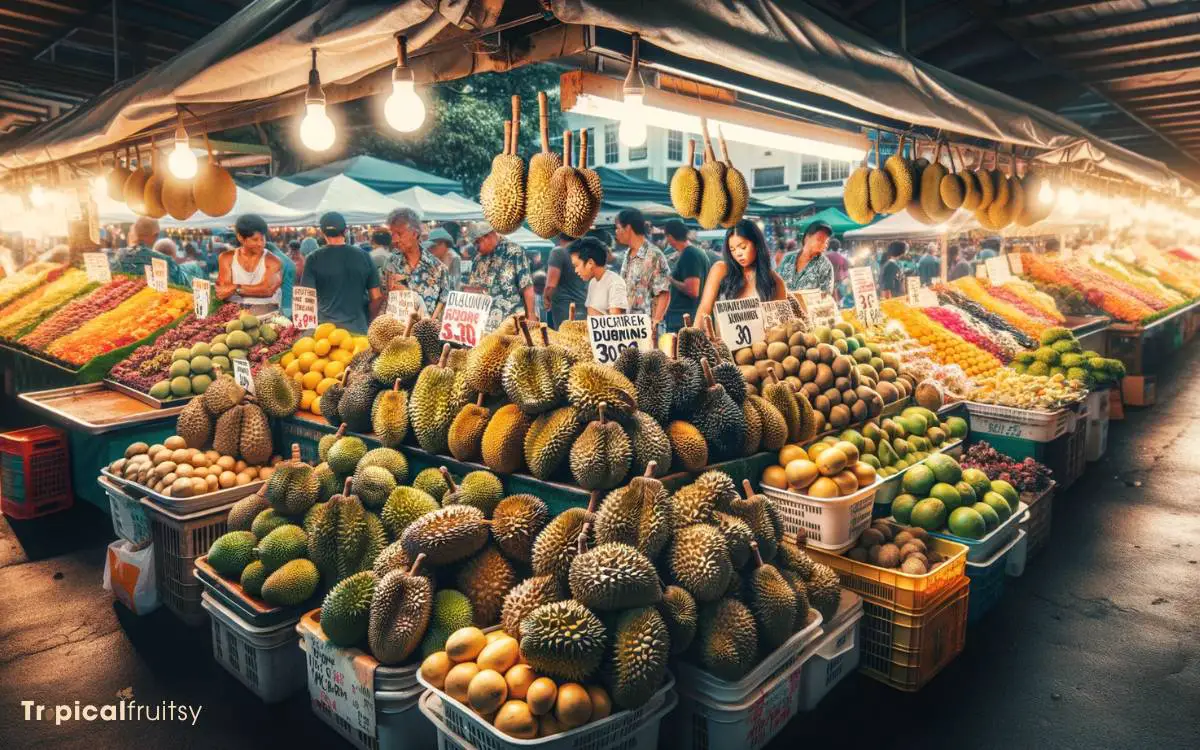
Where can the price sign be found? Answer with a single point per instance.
(739, 322)
(981, 272)
(241, 374)
(341, 686)
(609, 334)
(926, 297)
(866, 298)
(997, 270)
(777, 313)
(158, 275)
(403, 302)
(96, 266)
(912, 287)
(465, 318)
(1015, 265)
(818, 306)
(304, 308)
(201, 297)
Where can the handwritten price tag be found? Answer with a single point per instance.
(1015, 265)
(341, 686)
(776, 313)
(465, 320)
(997, 269)
(866, 298)
(304, 308)
(158, 275)
(201, 297)
(96, 266)
(402, 302)
(739, 322)
(819, 307)
(610, 334)
(981, 272)
(241, 374)
(926, 297)
(912, 286)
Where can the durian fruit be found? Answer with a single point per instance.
(516, 522)
(357, 400)
(725, 372)
(786, 402)
(389, 416)
(427, 332)
(651, 446)
(292, 488)
(503, 445)
(602, 453)
(987, 188)
(698, 559)
(952, 189)
(761, 516)
(686, 381)
(575, 202)
(222, 395)
(506, 209)
(914, 206)
(900, 170)
(292, 584)
(330, 399)
(679, 612)
(485, 364)
(999, 180)
(403, 506)
(195, 425)
(693, 343)
(373, 485)
(590, 179)
(639, 515)
(685, 185)
(738, 537)
(824, 590)
(549, 439)
(337, 538)
(486, 579)
(346, 610)
(466, 431)
(613, 576)
(718, 418)
(452, 611)
(402, 359)
(688, 446)
(774, 426)
(383, 329)
(433, 406)
(971, 191)
(563, 640)
(772, 601)
(714, 196)
(400, 610)
(277, 394)
(557, 544)
(345, 453)
(479, 489)
(727, 639)
(856, 195)
(735, 187)
(637, 661)
(377, 541)
(591, 383)
(527, 596)
(431, 482)
(931, 182)
(543, 205)
(447, 535)
(573, 336)
(534, 375)
(693, 503)
(327, 440)
(253, 577)
(244, 511)
(254, 439)
(881, 191)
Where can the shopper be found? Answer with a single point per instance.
(958, 267)
(744, 270)
(644, 268)
(297, 257)
(808, 268)
(563, 285)
(989, 249)
(381, 248)
(346, 280)
(412, 267)
(929, 267)
(1051, 246)
(836, 256)
(606, 294)
(891, 274)
(687, 274)
(441, 246)
(249, 275)
(138, 255)
(501, 271)
(308, 246)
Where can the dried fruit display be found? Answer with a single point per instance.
(1116, 298)
(82, 310)
(1007, 387)
(945, 347)
(24, 312)
(131, 321)
(26, 280)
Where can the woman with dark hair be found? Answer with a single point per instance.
(743, 271)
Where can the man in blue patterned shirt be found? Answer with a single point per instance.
(411, 267)
(501, 271)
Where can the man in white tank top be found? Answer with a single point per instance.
(248, 275)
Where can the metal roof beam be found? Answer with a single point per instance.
(1186, 48)
(1144, 93)
(13, 104)
(1026, 11)
(1179, 102)
(1148, 69)
(35, 12)
(37, 73)
(1117, 22)
(1146, 40)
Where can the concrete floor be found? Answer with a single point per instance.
(1096, 646)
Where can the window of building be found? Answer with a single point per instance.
(640, 153)
(810, 170)
(839, 170)
(590, 156)
(612, 146)
(674, 145)
(698, 155)
(768, 177)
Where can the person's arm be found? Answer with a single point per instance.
(530, 303)
(225, 285)
(552, 276)
(271, 280)
(375, 300)
(780, 289)
(618, 297)
(712, 287)
(661, 301)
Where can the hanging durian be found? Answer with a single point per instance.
(735, 186)
(577, 199)
(987, 188)
(931, 181)
(506, 210)
(856, 195)
(881, 192)
(542, 205)
(900, 170)
(971, 192)
(714, 197)
(591, 179)
(952, 190)
(685, 185)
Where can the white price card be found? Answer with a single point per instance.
(304, 308)
(739, 322)
(609, 334)
(404, 302)
(866, 298)
(241, 374)
(465, 319)
(96, 266)
(341, 687)
(981, 272)
(926, 297)
(201, 297)
(158, 275)
(777, 313)
(818, 306)
(1015, 265)
(912, 287)
(997, 269)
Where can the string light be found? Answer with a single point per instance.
(633, 130)
(403, 110)
(1046, 193)
(316, 129)
(182, 162)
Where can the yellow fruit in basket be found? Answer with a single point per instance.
(318, 365)
(831, 461)
(323, 386)
(789, 453)
(304, 345)
(465, 644)
(458, 679)
(848, 448)
(338, 336)
(360, 343)
(495, 635)
(824, 487)
(324, 330)
(322, 347)
(846, 481)
(310, 380)
(800, 473)
(306, 359)
(291, 368)
(775, 476)
(499, 655)
(487, 691)
(573, 707)
(541, 695)
(864, 472)
(817, 449)
(516, 720)
(298, 376)
(306, 399)
(548, 725)
(315, 407)
(601, 703)
(333, 368)
(341, 355)
(287, 358)
(519, 677)
(435, 668)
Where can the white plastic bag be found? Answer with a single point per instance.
(129, 575)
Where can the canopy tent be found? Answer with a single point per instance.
(525, 237)
(433, 207)
(625, 190)
(247, 202)
(815, 196)
(840, 222)
(378, 174)
(274, 189)
(904, 226)
(650, 209)
(356, 202)
(779, 205)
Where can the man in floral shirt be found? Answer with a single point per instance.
(411, 267)
(808, 268)
(501, 271)
(645, 270)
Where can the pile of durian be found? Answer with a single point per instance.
(715, 194)
(932, 194)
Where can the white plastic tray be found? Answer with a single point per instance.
(834, 655)
(185, 505)
(263, 659)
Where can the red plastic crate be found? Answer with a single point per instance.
(35, 473)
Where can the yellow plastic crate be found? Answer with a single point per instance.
(906, 649)
(891, 587)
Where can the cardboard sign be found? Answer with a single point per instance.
(465, 320)
(158, 275)
(997, 270)
(96, 266)
(241, 374)
(777, 313)
(201, 297)
(739, 322)
(304, 308)
(912, 287)
(926, 297)
(610, 334)
(866, 298)
(341, 686)
(403, 302)
(820, 308)
(1015, 265)
(981, 272)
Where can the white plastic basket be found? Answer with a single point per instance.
(128, 516)
(1026, 424)
(835, 654)
(264, 659)
(1014, 565)
(705, 685)
(830, 524)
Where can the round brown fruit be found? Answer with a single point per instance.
(865, 473)
(839, 416)
(823, 487)
(846, 481)
(801, 473)
(850, 449)
(775, 476)
(831, 461)
(516, 720)
(816, 449)
(789, 453)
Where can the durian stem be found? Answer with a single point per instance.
(524, 326)
(877, 165)
(571, 311)
(581, 540)
(346, 487)
(396, 386)
(417, 564)
(708, 376)
(545, 329)
(479, 399)
(507, 136)
(675, 345)
(341, 430)
(724, 148)
(446, 474)
(544, 121)
(593, 500)
(295, 451)
(691, 159)
(582, 148)
(603, 407)
(651, 466)
(516, 119)
(758, 561)
(708, 149)
(709, 329)
(412, 321)
(445, 355)
(687, 320)
(567, 148)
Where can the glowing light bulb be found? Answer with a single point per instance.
(182, 162)
(37, 196)
(316, 129)
(99, 186)
(1046, 193)
(633, 122)
(404, 110)
(1068, 201)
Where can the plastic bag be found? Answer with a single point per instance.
(129, 575)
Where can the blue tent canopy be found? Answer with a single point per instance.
(383, 176)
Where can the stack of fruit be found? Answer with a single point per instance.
(30, 277)
(173, 469)
(1061, 354)
(1026, 476)
(25, 312)
(940, 496)
(136, 318)
(84, 308)
(316, 362)
(1007, 387)
(191, 368)
(1117, 298)
(906, 549)
(945, 347)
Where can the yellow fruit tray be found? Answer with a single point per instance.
(894, 588)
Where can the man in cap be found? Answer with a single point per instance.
(346, 280)
(688, 271)
(501, 271)
(411, 267)
(441, 246)
(563, 285)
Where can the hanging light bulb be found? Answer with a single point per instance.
(633, 119)
(1046, 193)
(1068, 200)
(316, 129)
(38, 196)
(182, 162)
(403, 110)
(99, 185)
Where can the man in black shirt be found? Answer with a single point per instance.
(891, 275)
(688, 271)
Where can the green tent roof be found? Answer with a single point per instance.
(840, 222)
(383, 176)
